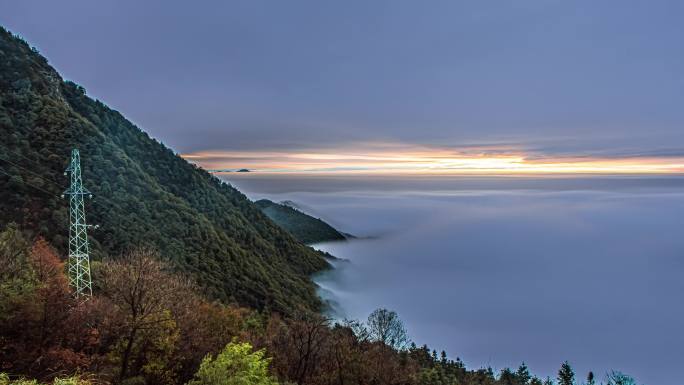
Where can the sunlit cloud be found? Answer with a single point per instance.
(397, 158)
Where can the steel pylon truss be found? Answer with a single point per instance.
(79, 253)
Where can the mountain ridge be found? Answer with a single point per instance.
(145, 194)
(301, 225)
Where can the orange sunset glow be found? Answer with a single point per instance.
(400, 159)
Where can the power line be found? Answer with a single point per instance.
(29, 184)
(23, 181)
(31, 160)
(32, 172)
(101, 202)
(59, 185)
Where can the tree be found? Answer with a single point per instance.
(346, 364)
(143, 294)
(358, 328)
(387, 334)
(204, 328)
(506, 377)
(566, 376)
(522, 375)
(53, 296)
(45, 331)
(13, 252)
(235, 365)
(386, 327)
(16, 278)
(618, 378)
(300, 344)
(443, 358)
(590, 379)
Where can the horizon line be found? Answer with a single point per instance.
(407, 159)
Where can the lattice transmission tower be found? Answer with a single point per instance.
(79, 253)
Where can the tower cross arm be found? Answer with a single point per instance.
(77, 191)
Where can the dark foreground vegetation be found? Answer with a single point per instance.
(148, 325)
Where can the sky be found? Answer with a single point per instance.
(438, 86)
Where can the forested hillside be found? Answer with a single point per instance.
(302, 226)
(144, 193)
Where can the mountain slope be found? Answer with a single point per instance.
(302, 226)
(144, 194)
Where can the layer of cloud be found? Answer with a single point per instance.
(503, 270)
(402, 158)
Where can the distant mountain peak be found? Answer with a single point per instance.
(302, 226)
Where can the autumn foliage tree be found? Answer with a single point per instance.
(39, 331)
(160, 327)
(301, 344)
(143, 295)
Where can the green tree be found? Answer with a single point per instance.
(16, 278)
(237, 364)
(507, 377)
(566, 376)
(523, 375)
(590, 379)
(618, 378)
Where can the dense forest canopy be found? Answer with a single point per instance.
(144, 193)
